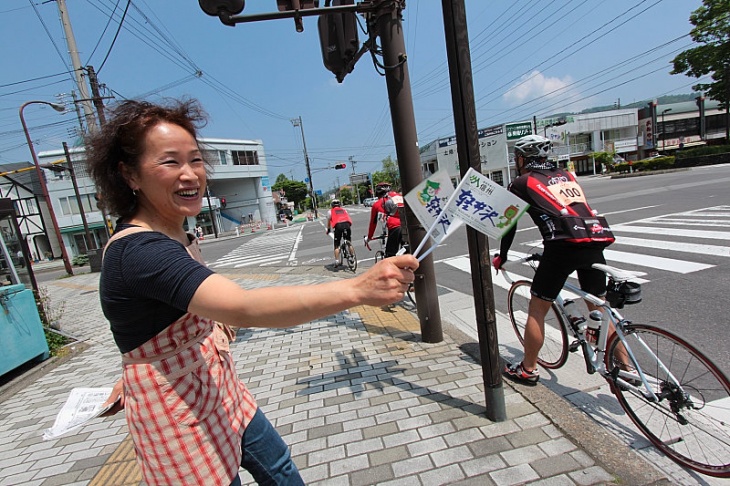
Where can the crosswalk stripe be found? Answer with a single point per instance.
(660, 263)
(715, 250)
(283, 244)
(462, 263)
(258, 261)
(710, 235)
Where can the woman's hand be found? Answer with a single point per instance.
(117, 395)
(387, 281)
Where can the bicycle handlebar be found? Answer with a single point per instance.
(367, 241)
(529, 258)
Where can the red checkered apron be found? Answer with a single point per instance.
(185, 406)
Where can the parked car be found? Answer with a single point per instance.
(368, 202)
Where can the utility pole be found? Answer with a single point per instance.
(390, 28)
(78, 69)
(90, 244)
(467, 142)
(297, 122)
(357, 191)
(98, 101)
(99, 104)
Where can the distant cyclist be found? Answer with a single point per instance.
(339, 219)
(573, 239)
(387, 207)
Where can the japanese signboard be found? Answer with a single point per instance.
(518, 130)
(493, 146)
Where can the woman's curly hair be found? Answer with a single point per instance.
(122, 139)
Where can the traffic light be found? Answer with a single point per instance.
(223, 203)
(338, 40)
(341, 166)
(216, 7)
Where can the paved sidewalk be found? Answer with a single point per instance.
(358, 397)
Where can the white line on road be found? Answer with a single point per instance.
(661, 263)
(710, 235)
(293, 254)
(715, 250)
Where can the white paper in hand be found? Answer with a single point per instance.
(82, 405)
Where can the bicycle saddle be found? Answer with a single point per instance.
(616, 273)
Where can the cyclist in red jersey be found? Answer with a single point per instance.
(339, 219)
(387, 207)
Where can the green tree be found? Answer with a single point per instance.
(712, 56)
(346, 195)
(294, 191)
(389, 173)
(280, 179)
(604, 159)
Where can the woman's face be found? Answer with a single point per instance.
(170, 180)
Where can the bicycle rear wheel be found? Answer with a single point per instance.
(554, 351)
(690, 422)
(379, 255)
(351, 257)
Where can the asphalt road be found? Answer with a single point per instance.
(674, 227)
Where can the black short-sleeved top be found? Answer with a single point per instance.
(147, 282)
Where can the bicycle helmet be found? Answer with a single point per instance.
(533, 146)
(382, 189)
(335, 203)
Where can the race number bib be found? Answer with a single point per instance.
(567, 193)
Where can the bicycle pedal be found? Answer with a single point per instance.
(573, 347)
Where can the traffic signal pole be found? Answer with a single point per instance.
(390, 29)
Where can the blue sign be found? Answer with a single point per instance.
(306, 179)
(318, 192)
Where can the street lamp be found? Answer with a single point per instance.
(41, 178)
(664, 130)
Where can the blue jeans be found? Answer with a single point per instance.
(266, 455)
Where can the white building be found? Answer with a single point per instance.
(495, 152)
(575, 138)
(238, 187)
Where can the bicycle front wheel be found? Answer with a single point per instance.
(379, 255)
(554, 351)
(351, 257)
(689, 422)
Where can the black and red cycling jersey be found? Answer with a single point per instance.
(559, 208)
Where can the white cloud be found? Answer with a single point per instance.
(545, 91)
(535, 85)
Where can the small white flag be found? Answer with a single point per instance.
(485, 205)
(427, 200)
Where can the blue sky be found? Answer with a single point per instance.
(529, 57)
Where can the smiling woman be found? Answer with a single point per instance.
(190, 417)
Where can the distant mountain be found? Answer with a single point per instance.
(662, 100)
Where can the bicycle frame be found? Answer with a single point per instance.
(595, 358)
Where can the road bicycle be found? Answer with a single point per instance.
(677, 397)
(380, 254)
(347, 254)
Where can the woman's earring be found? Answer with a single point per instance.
(134, 192)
